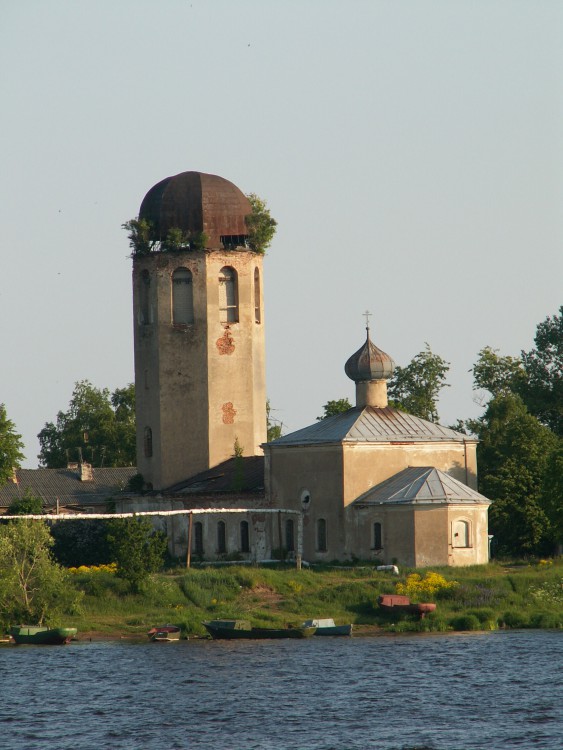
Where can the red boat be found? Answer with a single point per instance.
(397, 603)
(164, 633)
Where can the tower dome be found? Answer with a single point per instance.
(369, 363)
(198, 202)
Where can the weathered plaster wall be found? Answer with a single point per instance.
(200, 386)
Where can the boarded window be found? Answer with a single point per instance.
(198, 538)
(321, 535)
(182, 297)
(244, 537)
(221, 537)
(148, 442)
(289, 535)
(257, 314)
(460, 534)
(228, 295)
(377, 538)
(144, 294)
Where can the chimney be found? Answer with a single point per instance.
(14, 477)
(86, 474)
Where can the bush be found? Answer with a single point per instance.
(515, 619)
(546, 620)
(465, 622)
(80, 543)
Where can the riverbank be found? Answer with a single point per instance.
(487, 597)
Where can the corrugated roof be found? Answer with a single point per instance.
(233, 475)
(372, 425)
(420, 485)
(66, 485)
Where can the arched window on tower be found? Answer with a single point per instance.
(144, 298)
(228, 295)
(148, 442)
(182, 297)
(257, 313)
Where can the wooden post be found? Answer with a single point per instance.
(190, 527)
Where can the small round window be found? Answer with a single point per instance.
(305, 499)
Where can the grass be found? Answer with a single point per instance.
(528, 595)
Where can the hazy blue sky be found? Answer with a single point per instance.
(412, 153)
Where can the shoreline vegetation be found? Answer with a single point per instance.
(477, 598)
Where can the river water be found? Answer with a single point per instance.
(500, 690)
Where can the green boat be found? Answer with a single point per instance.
(42, 635)
(238, 629)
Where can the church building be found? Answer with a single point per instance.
(373, 483)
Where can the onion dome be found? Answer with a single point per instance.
(369, 363)
(196, 202)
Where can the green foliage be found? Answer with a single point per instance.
(143, 238)
(33, 588)
(332, 408)
(552, 494)
(513, 455)
(137, 549)
(543, 393)
(416, 387)
(525, 595)
(98, 427)
(80, 542)
(260, 224)
(496, 374)
(28, 505)
(465, 622)
(140, 236)
(11, 446)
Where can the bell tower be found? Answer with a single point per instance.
(198, 329)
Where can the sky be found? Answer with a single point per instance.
(411, 152)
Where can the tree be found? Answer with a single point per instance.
(513, 455)
(552, 496)
(80, 542)
(260, 224)
(11, 446)
(332, 408)
(97, 427)
(498, 374)
(416, 387)
(26, 506)
(543, 391)
(33, 588)
(137, 549)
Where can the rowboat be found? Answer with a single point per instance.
(239, 629)
(42, 635)
(396, 603)
(164, 633)
(327, 627)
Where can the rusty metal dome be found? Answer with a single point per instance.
(369, 363)
(197, 202)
